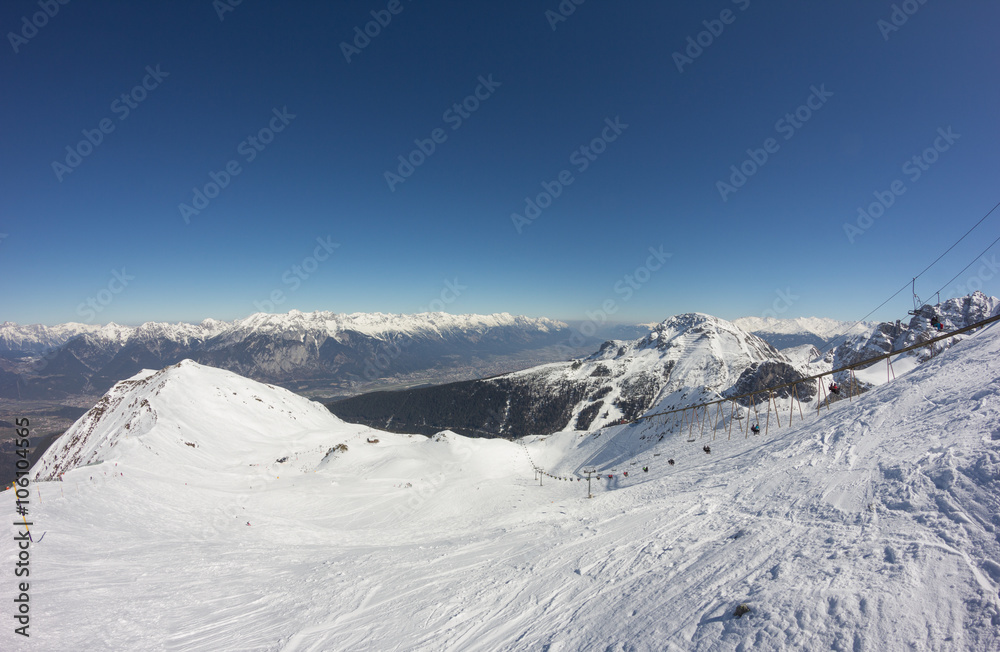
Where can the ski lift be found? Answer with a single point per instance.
(690, 426)
(918, 305)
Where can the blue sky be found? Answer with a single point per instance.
(837, 101)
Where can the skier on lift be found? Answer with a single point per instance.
(936, 323)
(835, 388)
(755, 429)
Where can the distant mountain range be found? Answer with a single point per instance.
(71, 359)
(683, 360)
(786, 333)
(328, 354)
(872, 521)
(18, 341)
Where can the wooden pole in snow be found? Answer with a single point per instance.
(715, 427)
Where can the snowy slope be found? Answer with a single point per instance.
(871, 527)
(169, 419)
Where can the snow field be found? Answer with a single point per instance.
(870, 527)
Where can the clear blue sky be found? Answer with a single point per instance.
(72, 215)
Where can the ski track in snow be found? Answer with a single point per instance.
(873, 526)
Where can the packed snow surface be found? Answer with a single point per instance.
(873, 526)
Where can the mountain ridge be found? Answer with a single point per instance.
(321, 346)
(869, 525)
(683, 357)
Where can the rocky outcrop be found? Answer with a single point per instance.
(892, 336)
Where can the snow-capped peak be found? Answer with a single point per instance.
(191, 416)
(696, 350)
(37, 338)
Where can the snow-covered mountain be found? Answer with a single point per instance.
(683, 360)
(199, 510)
(161, 419)
(787, 333)
(35, 339)
(888, 336)
(687, 359)
(288, 347)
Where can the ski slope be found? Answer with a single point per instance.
(871, 527)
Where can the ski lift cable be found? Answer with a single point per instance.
(958, 241)
(843, 337)
(973, 262)
(910, 282)
(817, 377)
(733, 400)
